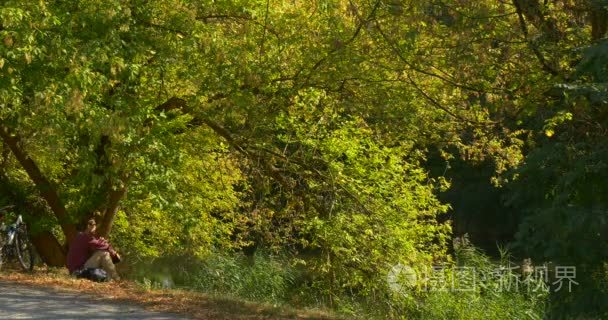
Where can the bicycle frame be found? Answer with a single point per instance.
(12, 230)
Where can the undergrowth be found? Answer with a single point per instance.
(470, 287)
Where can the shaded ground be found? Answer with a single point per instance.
(18, 301)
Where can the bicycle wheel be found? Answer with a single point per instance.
(25, 250)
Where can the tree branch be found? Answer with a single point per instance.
(337, 48)
(524, 28)
(411, 66)
(250, 151)
(44, 186)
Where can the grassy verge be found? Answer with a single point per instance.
(193, 304)
(273, 281)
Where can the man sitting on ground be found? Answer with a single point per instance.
(89, 251)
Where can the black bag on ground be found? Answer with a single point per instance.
(93, 274)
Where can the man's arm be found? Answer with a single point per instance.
(98, 244)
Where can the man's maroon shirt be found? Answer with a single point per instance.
(82, 247)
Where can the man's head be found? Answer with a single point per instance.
(91, 226)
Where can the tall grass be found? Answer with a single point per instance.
(273, 279)
(264, 277)
(493, 290)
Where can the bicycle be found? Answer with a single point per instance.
(15, 243)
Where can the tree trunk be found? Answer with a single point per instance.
(599, 22)
(110, 212)
(44, 186)
(49, 249)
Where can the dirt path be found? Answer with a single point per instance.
(26, 302)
